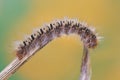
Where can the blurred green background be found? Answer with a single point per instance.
(60, 60)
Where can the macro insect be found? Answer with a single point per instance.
(55, 29)
(47, 33)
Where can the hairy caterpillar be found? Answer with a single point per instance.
(47, 33)
(55, 29)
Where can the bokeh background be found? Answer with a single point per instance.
(61, 59)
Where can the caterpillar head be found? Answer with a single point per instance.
(92, 42)
(89, 38)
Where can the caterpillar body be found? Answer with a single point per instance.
(55, 29)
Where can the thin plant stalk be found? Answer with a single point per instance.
(85, 65)
(14, 66)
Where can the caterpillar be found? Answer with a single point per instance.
(55, 29)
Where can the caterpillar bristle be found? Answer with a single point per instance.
(41, 31)
(99, 38)
(18, 45)
(92, 28)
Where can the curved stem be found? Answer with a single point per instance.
(16, 64)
